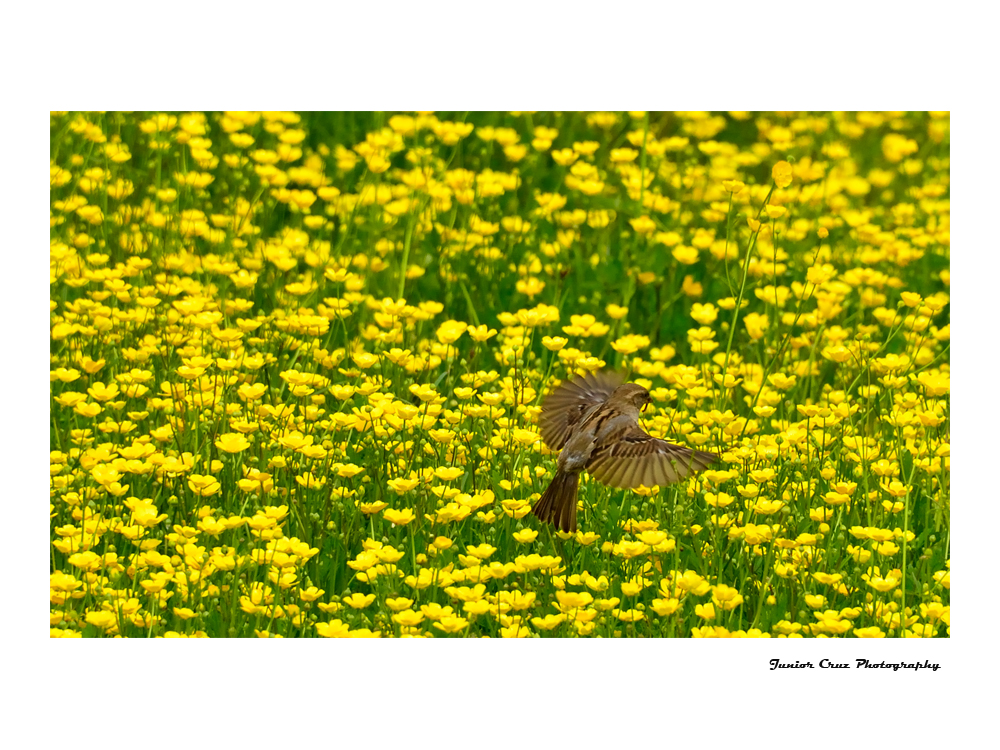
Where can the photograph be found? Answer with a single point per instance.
(504, 374)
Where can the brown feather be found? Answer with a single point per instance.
(557, 505)
(566, 406)
(634, 458)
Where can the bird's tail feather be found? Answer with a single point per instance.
(557, 505)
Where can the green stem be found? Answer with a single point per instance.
(406, 255)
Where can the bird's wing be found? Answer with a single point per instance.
(635, 458)
(565, 407)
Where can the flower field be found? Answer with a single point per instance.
(297, 361)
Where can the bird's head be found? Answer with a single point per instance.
(634, 394)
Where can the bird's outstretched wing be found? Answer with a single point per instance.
(564, 407)
(635, 458)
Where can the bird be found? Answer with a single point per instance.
(593, 420)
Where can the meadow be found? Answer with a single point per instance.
(296, 363)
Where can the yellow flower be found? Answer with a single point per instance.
(402, 485)
(690, 582)
(685, 254)
(450, 331)
(530, 286)
(525, 536)
(310, 594)
(705, 611)
(871, 632)
(897, 147)
(333, 629)
(781, 173)
(102, 620)
(643, 225)
(628, 615)
(630, 343)
(875, 579)
(665, 607)
(652, 538)
(481, 333)
(481, 551)
(358, 600)
(364, 360)
(726, 597)
(232, 442)
(572, 600)
(525, 437)
(203, 485)
(935, 383)
(408, 618)
(451, 624)
(399, 517)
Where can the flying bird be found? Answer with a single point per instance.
(594, 421)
